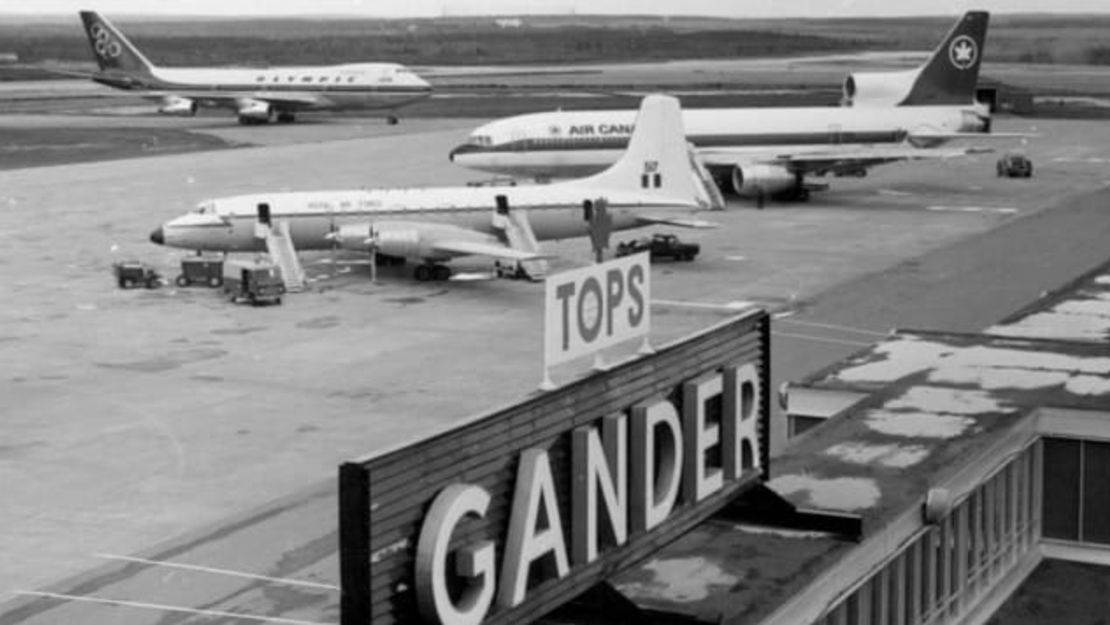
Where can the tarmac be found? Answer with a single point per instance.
(168, 455)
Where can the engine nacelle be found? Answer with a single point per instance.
(878, 88)
(255, 111)
(176, 105)
(750, 180)
(400, 240)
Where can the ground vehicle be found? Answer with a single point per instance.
(660, 246)
(132, 273)
(1014, 165)
(201, 270)
(257, 282)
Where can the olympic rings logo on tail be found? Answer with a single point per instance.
(105, 46)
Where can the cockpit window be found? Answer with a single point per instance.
(482, 140)
(204, 208)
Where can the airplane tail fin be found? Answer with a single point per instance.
(951, 73)
(657, 159)
(112, 50)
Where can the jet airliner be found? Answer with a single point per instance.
(656, 175)
(758, 152)
(257, 95)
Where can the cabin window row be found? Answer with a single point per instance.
(338, 79)
(940, 575)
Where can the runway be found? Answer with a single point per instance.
(170, 425)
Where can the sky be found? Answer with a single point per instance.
(434, 8)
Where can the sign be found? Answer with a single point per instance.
(507, 516)
(589, 309)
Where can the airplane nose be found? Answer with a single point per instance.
(158, 237)
(465, 148)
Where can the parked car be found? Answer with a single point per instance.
(1014, 165)
(660, 246)
(133, 273)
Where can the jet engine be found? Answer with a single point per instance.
(255, 112)
(878, 88)
(750, 180)
(389, 238)
(176, 105)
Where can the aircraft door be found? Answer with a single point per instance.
(836, 134)
(264, 214)
(502, 205)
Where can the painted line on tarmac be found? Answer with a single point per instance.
(209, 569)
(820, 339)
(170, 608)
(740, 305)
(830, 326)
(1002, 210)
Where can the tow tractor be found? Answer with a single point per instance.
(133, 273)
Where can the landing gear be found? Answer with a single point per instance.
(286, 117)
(392, 120)
(437, 273)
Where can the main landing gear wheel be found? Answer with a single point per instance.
(438, 273)
(286, 118)
(392, 120)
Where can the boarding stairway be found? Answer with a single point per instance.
(712, 199)
(517, 232)
(279, 245)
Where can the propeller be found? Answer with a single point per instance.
(372, 245)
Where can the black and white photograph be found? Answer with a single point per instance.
(494, 312)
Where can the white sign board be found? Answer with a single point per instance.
(589, 309)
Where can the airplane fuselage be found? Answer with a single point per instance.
(554, 212)
(353, 86)
(575, 143)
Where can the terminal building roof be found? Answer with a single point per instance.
(930, 404)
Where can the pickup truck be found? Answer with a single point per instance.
(660, 246)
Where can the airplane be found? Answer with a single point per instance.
(257, 95)
(656, 174)
(761, 152)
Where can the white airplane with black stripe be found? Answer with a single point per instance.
(656, 176)
(257, 95)
(763, 152)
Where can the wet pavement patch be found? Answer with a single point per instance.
(405, 301)
(227, 331)
(165, 362)
(319, 323)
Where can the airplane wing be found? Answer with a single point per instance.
(833, 159)
(476, 248)
(680, 222)
(288, 101)
(930, 135)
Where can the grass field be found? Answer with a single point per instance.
(54, 146)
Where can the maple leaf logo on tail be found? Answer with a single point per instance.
(963, 52)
